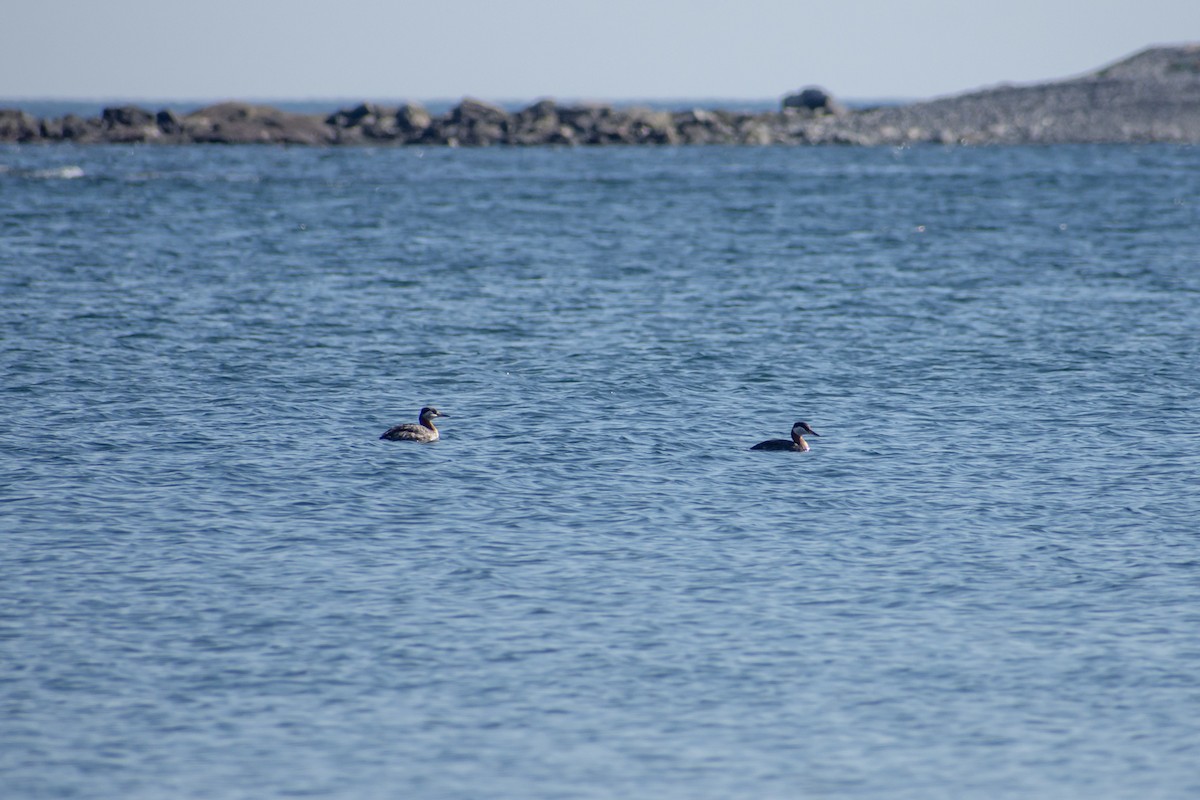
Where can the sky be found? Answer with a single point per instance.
(505, 50)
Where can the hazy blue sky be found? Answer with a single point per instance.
(525, 49)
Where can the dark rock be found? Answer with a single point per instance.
(700, 126)
(363, 123)
(51, 129)
(607, 128)
(644, 126)
(538, 124)
(81, 131)
(126, 117)
(348, 118)
(129, 124)
(471, 111)
(546, 109)
(168, 122)
(242, 123)
(812, 100)
(591, 124)
(382, 129)
(18, 126)
(475, 123)
(412, 120)
(583, 118)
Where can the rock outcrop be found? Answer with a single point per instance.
(242, 123)
(813, 100)
(1153, 96)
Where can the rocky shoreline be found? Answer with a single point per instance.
(1152, 96)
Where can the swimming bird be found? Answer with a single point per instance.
(408, 432)
(796, 443)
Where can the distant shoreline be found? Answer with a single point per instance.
(1151, 96)
(52, 108)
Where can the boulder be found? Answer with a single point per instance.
(756, 131)
(812, 100)
(645, 126)
(79, 130)
(537, 124)
(365, 121)
(18, 126)
(412, 120)
(474, 122)
(700, 126)
(168, 122)
(128, 124)
(584, 117)
(243, 123)
(349, 118)
(126, 117)
(471, 111)
(590, 124)
(50, 130)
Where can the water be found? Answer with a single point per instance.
(983, 581)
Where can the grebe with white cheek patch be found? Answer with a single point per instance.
(796, 443)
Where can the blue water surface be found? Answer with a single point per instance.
(982, 582)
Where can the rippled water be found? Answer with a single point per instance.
(983, 580)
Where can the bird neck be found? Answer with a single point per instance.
(799, 440)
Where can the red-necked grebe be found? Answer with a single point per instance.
(408, 432)
(796, 443)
